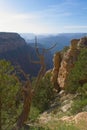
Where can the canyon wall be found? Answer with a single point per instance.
(65, 61)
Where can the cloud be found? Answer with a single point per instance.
(10, 22)
(64, 9)
(51, 19)
(37, 22)
(76, 27)
(15, 16)
(16, 22)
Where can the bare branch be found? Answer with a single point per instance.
(26, 76)
(46, 50)
(35, 62)
(27, 88)
(37, 50)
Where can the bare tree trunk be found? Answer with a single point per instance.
(27, 90)
(41, 62)
(40, 75)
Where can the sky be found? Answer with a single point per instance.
(43, 16)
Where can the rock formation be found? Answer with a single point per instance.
(10, 41)
(69, 59)
(56, 60)
(62, 66)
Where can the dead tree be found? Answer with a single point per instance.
(27, 93)
(27, 90)
(41, 61)
(27, 97)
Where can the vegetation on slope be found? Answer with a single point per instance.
(44, 94)
(78, 76)
(9, 87)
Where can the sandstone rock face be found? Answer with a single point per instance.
(55, 71)
(64, 66)
(66, 107)
(82, 42)
(78, 118)
(69, 59)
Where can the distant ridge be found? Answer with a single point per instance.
(62, 39)
(15, 49)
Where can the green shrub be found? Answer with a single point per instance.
(78, 105)
(9, 87)
(82, 91)
(78, 73)
(34, 113)
(67, 127)
(44, 93)
(61, 125)
(35, 128)
(38, 128)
